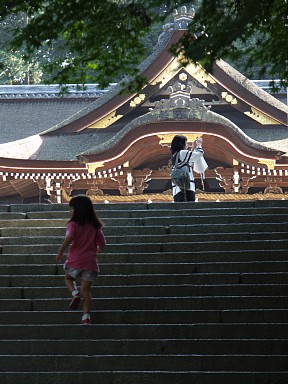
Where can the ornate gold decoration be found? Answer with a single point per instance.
(137, 100)
(235, 162)
(126, 165)
(270, 163)
(93, 166)
(106, 121)
(65, 196)
(169, 72)
(229, 98)
(166, 168)
(174, 67)
(260, 117)
(165, 139)
(199, 74)
(183, 77)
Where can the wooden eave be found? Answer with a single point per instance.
(220, 142)
(118, 101)
(24, 188)
(44, 166)
(249, 98)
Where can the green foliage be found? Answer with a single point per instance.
(14, 68)
(16, 71)
(235, 29)
(96, 41)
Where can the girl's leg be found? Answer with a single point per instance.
(72, 287)
(86, 295)
(70, 283)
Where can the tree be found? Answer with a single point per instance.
(98, 41)
(15, 69)
(233, 29)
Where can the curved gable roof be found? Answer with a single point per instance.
(162, 66)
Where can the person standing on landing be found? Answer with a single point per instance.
(194, 158)
(84, 233)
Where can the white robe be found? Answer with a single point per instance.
(196, 162)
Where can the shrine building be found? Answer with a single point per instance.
(114, 146)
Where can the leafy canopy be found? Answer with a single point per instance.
(99, 41)
(233, 29)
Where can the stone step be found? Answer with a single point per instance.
(263, 303)
(159, 247)
(152, 230)
(147, 377)
(154, 279)
(145, 346)
(233, 331)
(149, 290)
(33, 223)
(195, 246)
(116, 317)
(154, 238)
(40, 312)
(105, 214)
(211, 219)
(32, 231)
(65, 207)
(60, 231)
(224, 228)
(136, 206)
(156, 267)
(153, 362)
(158, 221)
(222, 256)
(198, 256)
(212, 277)
(12, 216)
(248, 204)
(31, 240)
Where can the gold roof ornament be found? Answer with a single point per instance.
(137, 100)
(198, 73)
(270, 163)
(93, 166)
(169, 72)
(229, 98)
(106, 121)
(260, 117)
(166, 138)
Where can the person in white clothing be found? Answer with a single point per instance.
(194, 158)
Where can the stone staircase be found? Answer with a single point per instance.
(188, 293)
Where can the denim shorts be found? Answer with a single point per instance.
(83, 274)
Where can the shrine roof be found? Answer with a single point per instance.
(36, 123)
(68, 147)
(51, 91)
(56, 148)
(20, 119)
(255, 87)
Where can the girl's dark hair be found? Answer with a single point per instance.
(178, 143)
(83, 211)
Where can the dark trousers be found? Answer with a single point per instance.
(180, 197)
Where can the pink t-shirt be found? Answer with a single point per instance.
(85, 242)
